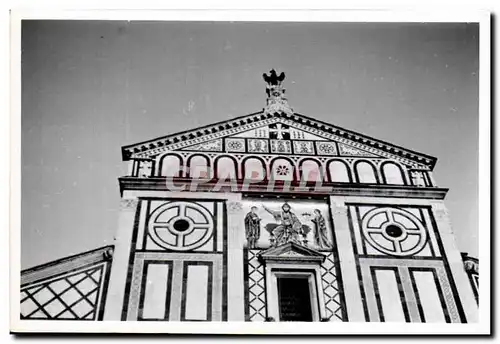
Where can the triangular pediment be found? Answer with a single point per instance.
(279, 133)
(281, 137)
(291, 251)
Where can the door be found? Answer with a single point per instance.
(294, 298)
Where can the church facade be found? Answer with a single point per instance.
(271, 216)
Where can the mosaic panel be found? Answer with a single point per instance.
(270, 222)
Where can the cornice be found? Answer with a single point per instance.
(334, 189)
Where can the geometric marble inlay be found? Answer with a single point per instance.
(331, 289)
(181, 226)
(256, 287)
(394, 231)
(70, 297)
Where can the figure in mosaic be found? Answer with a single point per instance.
(320, 232)
(252, 227)
(288, 229)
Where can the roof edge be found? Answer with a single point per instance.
(164, 137)
(105, 252)
(363, 136)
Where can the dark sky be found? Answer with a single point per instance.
(91, 87)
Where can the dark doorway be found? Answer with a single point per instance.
(294, 299)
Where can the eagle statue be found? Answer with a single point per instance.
(273, 78)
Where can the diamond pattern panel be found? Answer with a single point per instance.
(331, 292)
(72, 296)
(256, 287)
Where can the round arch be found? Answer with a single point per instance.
(339, 171)
(282, 168)
(225, 166)
(365, 172)
(198, 166)
(170, 165)
(392, 173)
(312, 169)
(253, 167)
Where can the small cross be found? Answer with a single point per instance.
(279, 131)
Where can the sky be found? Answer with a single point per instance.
(91, 87)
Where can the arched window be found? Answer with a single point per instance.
(310, 170)
(199, 167)
(170, 166)
(393, 174)
(366, 172)
(225, 168)
(254, 169)
(338, 172)
(282, 169)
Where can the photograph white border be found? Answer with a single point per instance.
(41, 326)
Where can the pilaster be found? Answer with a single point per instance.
(121, 256)
(347, 261)
(455, 261)
(235, 277)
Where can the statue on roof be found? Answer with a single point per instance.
(273, 78)
(276, 101)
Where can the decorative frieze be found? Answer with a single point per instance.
(235, 145)
(326, 148)
(303, 147)
(210, 146)
(352, 151)
(281, 147)
(258, 146)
